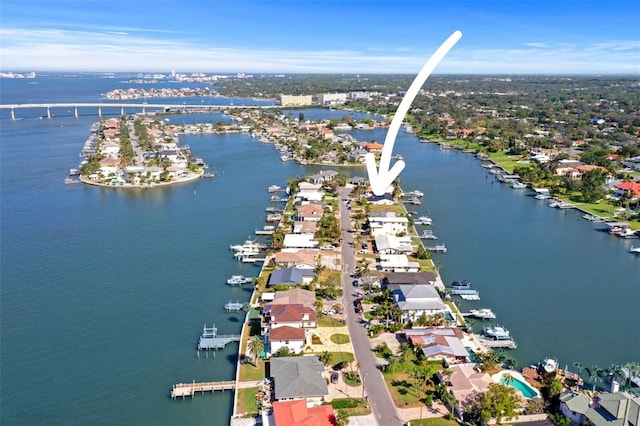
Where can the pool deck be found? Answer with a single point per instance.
(517, 376)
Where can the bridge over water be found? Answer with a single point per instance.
(131, 105)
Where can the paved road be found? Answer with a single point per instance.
(375, 388)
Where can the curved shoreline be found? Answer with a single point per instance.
(193, 176)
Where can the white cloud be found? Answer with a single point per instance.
(129, 49)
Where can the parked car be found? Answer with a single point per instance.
(356, 283)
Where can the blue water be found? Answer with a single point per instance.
(105, 291)
(524, 388)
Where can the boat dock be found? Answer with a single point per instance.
(267, 230)
(465, 293)
(504, 343)
(189, 389)
(250, 259)
(233, 306)
(438, 248)
(210, 339)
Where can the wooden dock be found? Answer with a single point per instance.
(504, 343)
(189, 389)
(209, 339)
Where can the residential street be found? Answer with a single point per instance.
(382, 405)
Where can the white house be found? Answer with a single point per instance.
(389, 244)
(398, 263)
(415, 300)
(293, 338)
(299, 241)
(388, 224)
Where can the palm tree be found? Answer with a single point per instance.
(326, 357)
(405, 351)
(578, 365)
(255, 346)
(508, 379)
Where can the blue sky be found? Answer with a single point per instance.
(331, 36)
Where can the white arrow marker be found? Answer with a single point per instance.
(381, 178)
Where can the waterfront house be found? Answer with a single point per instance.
(292, 338)
(308, 186)
(390, 244)
(299, 377)
(373, 147)
(292, 315)
(295, 296)
(605, 409)
(385, 199)
(299, 241)
(439, 343)
(322, 176)
(299, 259)
(417, 300)
(466, 383)
(291, 276)
(387, 223)
(296, 412)
(110, 149)
(398, 263)
(628, 189)
(393, 280)
(310, 212)
(304, 227)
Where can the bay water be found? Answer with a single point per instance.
(104, 291)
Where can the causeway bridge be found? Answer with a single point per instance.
(143, 107)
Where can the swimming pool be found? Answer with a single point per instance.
(516, 381)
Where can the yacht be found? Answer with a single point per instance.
(423, 220)
(428, 234)
(592, 218)
(497, 333)
(248, 247)
(274, 188)
(238, 280)
(460, 285)
(518, 185)
(483, 313)
(634, 250)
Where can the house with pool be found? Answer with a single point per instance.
(517, 381)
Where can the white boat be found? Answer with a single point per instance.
(423, 220)
(634, 250)
(592, 218)
(248, 246)
(497, 333)
(542, 196)
(483, 313)
(238, 280)
(438, 248)
(518, 185)
(274, 188)
(428, 234)
(549, 365)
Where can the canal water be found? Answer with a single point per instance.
(105, 292)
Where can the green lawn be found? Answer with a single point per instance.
(434, 421)
(247, 400)
(248, 372)
(340, 339)
(326, 321)
(507, 162)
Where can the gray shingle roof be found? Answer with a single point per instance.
(298, 377)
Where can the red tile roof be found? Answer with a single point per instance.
(286, 333)
(296, 413)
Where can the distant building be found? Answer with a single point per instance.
(300, 100)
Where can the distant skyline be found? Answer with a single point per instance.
(331, 36)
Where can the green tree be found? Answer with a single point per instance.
(255, 346)
(326, 357)
(500, 402)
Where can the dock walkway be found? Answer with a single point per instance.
(189, 389)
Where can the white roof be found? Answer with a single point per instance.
(299, 240)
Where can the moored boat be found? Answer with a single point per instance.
(497, 333)
(484, 313)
